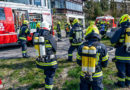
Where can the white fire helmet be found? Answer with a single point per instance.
(45, 25)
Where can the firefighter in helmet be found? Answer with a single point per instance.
(47, 62)
(24, 32)
(76, 38)
(98, 24)
(59, 30)
(92, 56)
(121, 41)
(67, 29)
(38, 27)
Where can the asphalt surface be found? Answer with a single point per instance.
(14, 52)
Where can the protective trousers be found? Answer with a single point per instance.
(59, 35)
(86, 84)
(70, 52)
(24, 48)
(123, 73)
(67, 34)
(49, 72)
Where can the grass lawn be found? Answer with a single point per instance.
(22, 74)
(106, 42)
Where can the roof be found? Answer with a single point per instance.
(105, 17)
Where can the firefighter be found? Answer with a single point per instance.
(98, 24)
(24, 32)
(38, 27)
(121, 41)
(67, 29)
(92, 56)
(59, 30)
(75, 38)
(102, 29)
(91, 22)
(47, 62)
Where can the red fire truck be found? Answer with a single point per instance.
(12, 16)
(109, 19)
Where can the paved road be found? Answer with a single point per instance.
(63, 46)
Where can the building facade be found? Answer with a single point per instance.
(122, 6)
(43, 3)
(70, 8)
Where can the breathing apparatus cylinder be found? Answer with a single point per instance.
(36, 46)
(89, 59)
(85, 59)
(127, 40)
(92, 59)
(42, 46)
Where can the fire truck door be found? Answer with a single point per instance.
(19, 17)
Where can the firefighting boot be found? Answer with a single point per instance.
(25, 55)
(120, 84)
(127, 83)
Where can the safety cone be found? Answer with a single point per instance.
(1, 85)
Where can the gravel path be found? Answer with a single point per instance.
(62, 50)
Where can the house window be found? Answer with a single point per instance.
(49, 4)
(74, 6)
(44, 2)
(59, 3)
(19, 1)
(30, 2)
(37, 2)
(2, 14)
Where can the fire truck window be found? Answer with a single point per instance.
(34, 18)
(2, 14)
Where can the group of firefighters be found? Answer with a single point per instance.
(103, 26)
(92, 55)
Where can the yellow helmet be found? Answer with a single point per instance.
(75, 21)
(124, 18)
(68, 23)
(108, 22)
(92, 28)
(38, 25)
(92, 33)
(92, 22)
(26, 22)
(59, 22)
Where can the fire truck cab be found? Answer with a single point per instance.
(112, 26)
(12, 16)
(109, 19)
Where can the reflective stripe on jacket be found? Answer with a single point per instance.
(118, 40)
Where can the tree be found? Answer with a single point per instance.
(92, 9)
(97, 10)
(89, 9)
(104, 5)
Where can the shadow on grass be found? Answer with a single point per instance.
(27, 64)
(71, 85)
(30, 87)
(35, 86)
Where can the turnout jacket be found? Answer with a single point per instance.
(51, 46)
(72, 35)
(118, 41)
(58, 28)
(24, 32)
(67, 28)
(101, 57)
